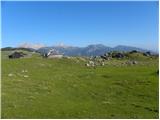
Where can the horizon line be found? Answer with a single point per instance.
(64, 45)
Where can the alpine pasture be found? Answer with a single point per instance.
(36, 87)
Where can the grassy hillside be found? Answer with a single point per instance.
(65, 88)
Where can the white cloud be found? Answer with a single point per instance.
(29, 45)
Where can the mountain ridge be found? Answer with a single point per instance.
(90, 50)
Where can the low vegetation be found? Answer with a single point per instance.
(35, 87)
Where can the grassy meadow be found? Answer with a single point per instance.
(36, 87)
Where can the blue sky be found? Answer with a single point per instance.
(81, 23)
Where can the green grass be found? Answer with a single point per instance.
(65, 88)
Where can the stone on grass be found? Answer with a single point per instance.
(26, 76)
(10, 74)
(134, 62)
(24, 71)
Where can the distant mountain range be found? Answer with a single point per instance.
(90, 50)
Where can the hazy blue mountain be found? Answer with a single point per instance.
(90, 50)
(127, 48)
(70, 51)
(93, 50)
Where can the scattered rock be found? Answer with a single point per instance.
(147, 54)
(10, 74)
(131, 62)
(24, 71)
(82, 59)
(134, 62)
(118, 55)
(90, 64)
(106, 102)
(16, 55)
(87, 65)
(26, 76)
(102, 64)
